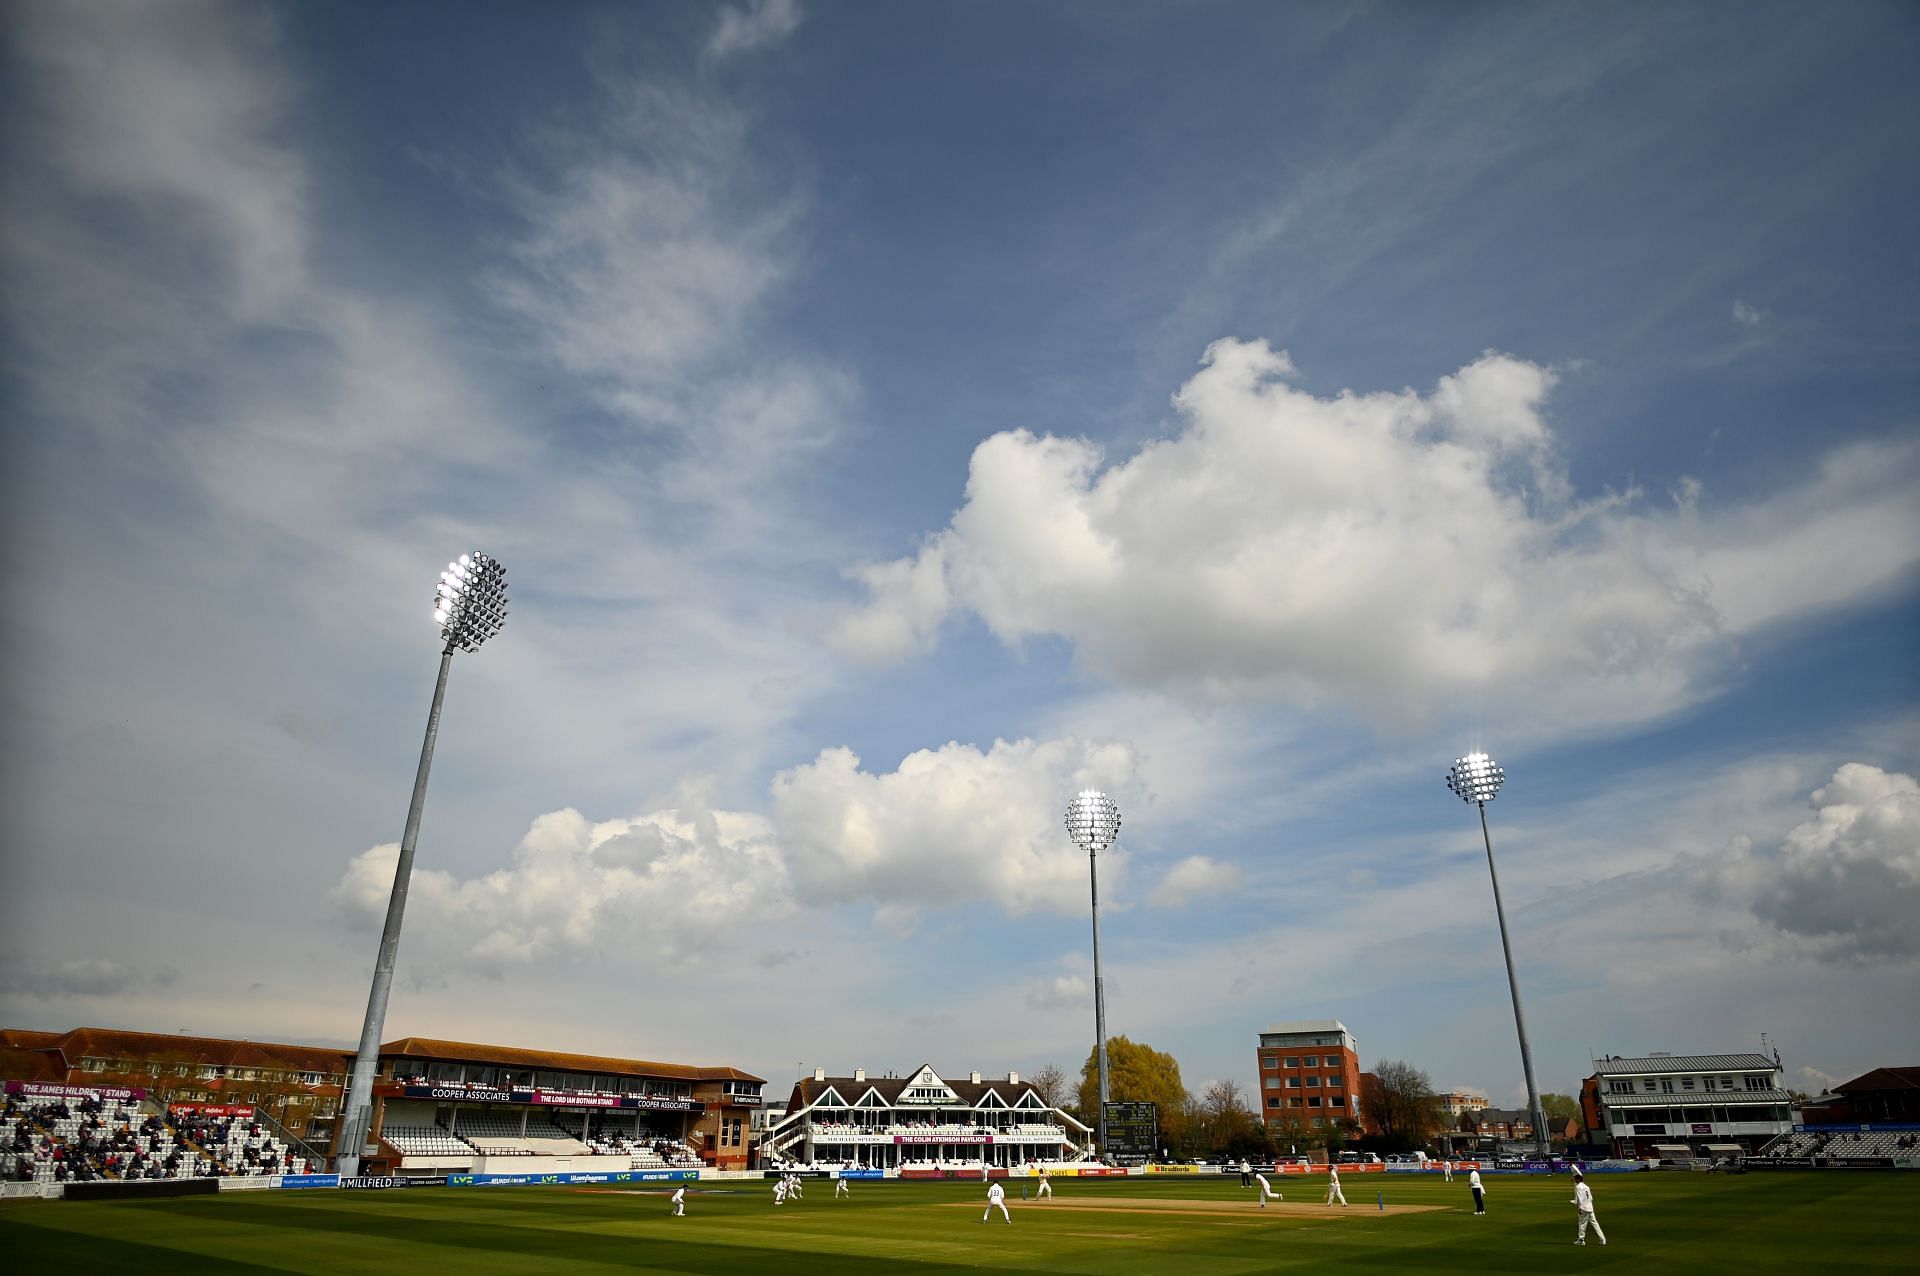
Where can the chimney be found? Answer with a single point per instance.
(974, 1077)
(859, 1074)
(819, 1074)
(1013, 1078)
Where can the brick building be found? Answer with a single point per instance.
(1309, 1074)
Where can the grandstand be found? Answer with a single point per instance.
(1844, 1144)
(922, 1122)
(72, 1134)
(438, 1105)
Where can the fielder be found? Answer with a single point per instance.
(997, 1197)
(1583, 1201)
(1479, 1192)
(779, 1191)
(1266, 1190)
(680, 1203)
(1046, 1186)
(1333, 1186)
(1446, 1171)
(841, 1189)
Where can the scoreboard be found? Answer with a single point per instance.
(1133, 1129)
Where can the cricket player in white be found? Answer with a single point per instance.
(840, 1188)
(1583, 1201)
(1046, 1186)
(1333, 1186)
(1479, 1192)
(997, 1196)
(680, 1202)
(1446, 1170)
(1266, 1190)
(779, 1191)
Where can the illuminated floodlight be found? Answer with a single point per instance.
(1093, 822)
(470, 602)
(470, 606)
(1475, 779)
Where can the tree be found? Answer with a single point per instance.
(1559, 1108)
(1136, 1073)
(1401, 1105)
(1230, 1125)
(1050, 1083)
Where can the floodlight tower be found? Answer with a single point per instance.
(1093, 822)
(1476, 778)
(470, 606)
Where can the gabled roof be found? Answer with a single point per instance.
(809, 1090)
(1619, 1066)
(1883, 1079)
(429, 1048)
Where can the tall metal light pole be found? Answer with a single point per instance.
(470, 605)
(1093, 822)
(1476, 778)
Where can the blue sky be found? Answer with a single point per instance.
(894, 418)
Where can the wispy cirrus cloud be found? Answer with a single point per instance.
(756, 24)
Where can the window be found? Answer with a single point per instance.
(1273, 1101)
(1313, 1083)
(1269, 1061)
(1271, 1083)
(1311, 1061)
(1686, 1083)
(1314, 1101)
(1650, 1085)
(1319, 1122)
(1293, 1083)
(1293, 1063)
(1294, 1102)
(1666, 1085)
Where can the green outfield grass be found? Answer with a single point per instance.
(1801, 1222)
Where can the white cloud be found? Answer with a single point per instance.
(672, 884)
(950, 826)
(756, 25)
(1064, 992)
(1846, 881)
(171, 115)
(1382, 550)
(1196, 877)
(1747, 316)
(649, 243)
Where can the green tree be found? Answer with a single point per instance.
(1560, 1108)
(1136, 1073)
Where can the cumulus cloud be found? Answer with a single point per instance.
(1062, 993)
(1196, 877)
(1747, 316)
(1389, 550)
(1847, 882)
(950, 827)
(755, 25)
(667, 883)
